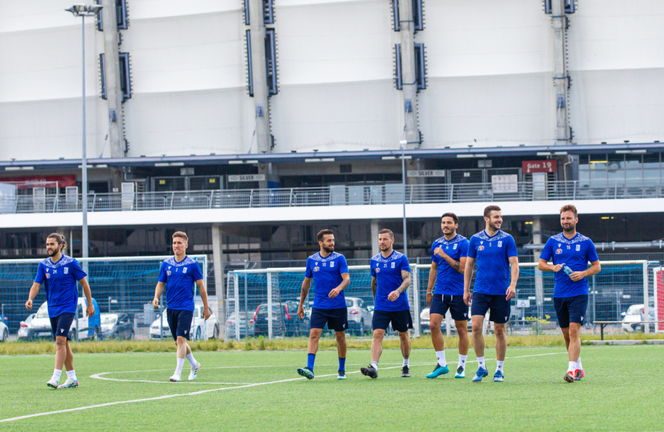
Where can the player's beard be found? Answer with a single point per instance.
(493, 226)
(54, 252)
(384, 247)
(569, 229)
(328, 250)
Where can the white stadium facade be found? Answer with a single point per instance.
(252, 124)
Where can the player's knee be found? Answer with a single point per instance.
(404, 336)
(499, 330)
(61, 341)
(477, 327)
(340, 335)
(181, 341)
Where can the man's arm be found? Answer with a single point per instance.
(345, 281)
(157, 293)
(34, 290)
(456, 265)
(90, 310)
(306, 284)
(203, 292)
(433, 272)
(405, 283)
(514, 267)
(374, 286)
(546, 267)
(467, 278)
(595, 268)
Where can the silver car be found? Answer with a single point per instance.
(359, 317)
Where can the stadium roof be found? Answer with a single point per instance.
(342, 156)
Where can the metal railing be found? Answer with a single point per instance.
(337, 195)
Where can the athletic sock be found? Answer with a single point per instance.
(571, 367)
(342, 364)
(440, 355)
(56, 374)
(178, 369)
(311, 358)
(71, 375)
(499, 365)
(405, 362)
(578, 364)
(374, 365)
(191, 360)
(462, 360)
(481, 363)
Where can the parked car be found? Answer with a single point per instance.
(4, 332)
(425, 321)
(634, 317)
(359, 317)
(116, 326)
(200, 328)
(232, 321)
(23, 327)
(86, 327)
(285, 321)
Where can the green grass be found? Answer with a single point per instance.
(621, 391)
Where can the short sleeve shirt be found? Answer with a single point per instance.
(387, 272)
(448, 280)
(179, 278)
(326, 273)
(574, 253)
(59, 280)
(492, 254)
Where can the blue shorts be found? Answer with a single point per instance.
(61, 324)
(500, 308)
(440, 303)
(401, 320)
(570, 309)
(179, 321)
(336, 319)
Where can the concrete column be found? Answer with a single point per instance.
(561, 81)
(113, 89)
(409, 92)
(218, 262)
(259, 75)
(375, 228)
(539, 282)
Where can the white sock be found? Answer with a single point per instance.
(374, 365)
(405, 362)
(481, 363)
(499, 365)
(192, 361)
(71, 375)
(578, 364)
(178, 369)
(56, 374)
(440, 355)
(571, 367)
(462, 360)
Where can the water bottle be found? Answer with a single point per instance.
(567, 270)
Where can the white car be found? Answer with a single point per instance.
(200, 329)
(632, 319)
(90, 327)
(23, 327)
(4, 332)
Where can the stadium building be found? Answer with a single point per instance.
(251, 125)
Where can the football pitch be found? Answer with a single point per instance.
(260, 390)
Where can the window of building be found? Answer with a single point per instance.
(270, 62)
(418, 15)
(125, 76)
(420, 67)
(570, 6)
(268, 12)
(120, 13)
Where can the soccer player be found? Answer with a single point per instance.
(179, 274)
(445, 292)
(570, 251)
(496, 255)
(59, 273)
(390, 278)
(329, 271)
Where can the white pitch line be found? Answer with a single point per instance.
(210, 391)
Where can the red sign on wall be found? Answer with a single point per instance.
(541, 166)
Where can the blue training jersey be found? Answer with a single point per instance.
(387, 272)
(574, 253)
(179, 278)
(493, 266)
(59, 280)
(448, 280)
(326, 272)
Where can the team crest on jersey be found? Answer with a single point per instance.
(393, 265)
(455, 246)
(332, 264)
(500, 243)
(481, 248)
(578, 248)
(559, 251)
(66, 270)
(324, 264)
(184, 270)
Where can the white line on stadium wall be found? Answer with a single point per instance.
(211, 391)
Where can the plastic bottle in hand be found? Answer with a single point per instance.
(567, 270)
